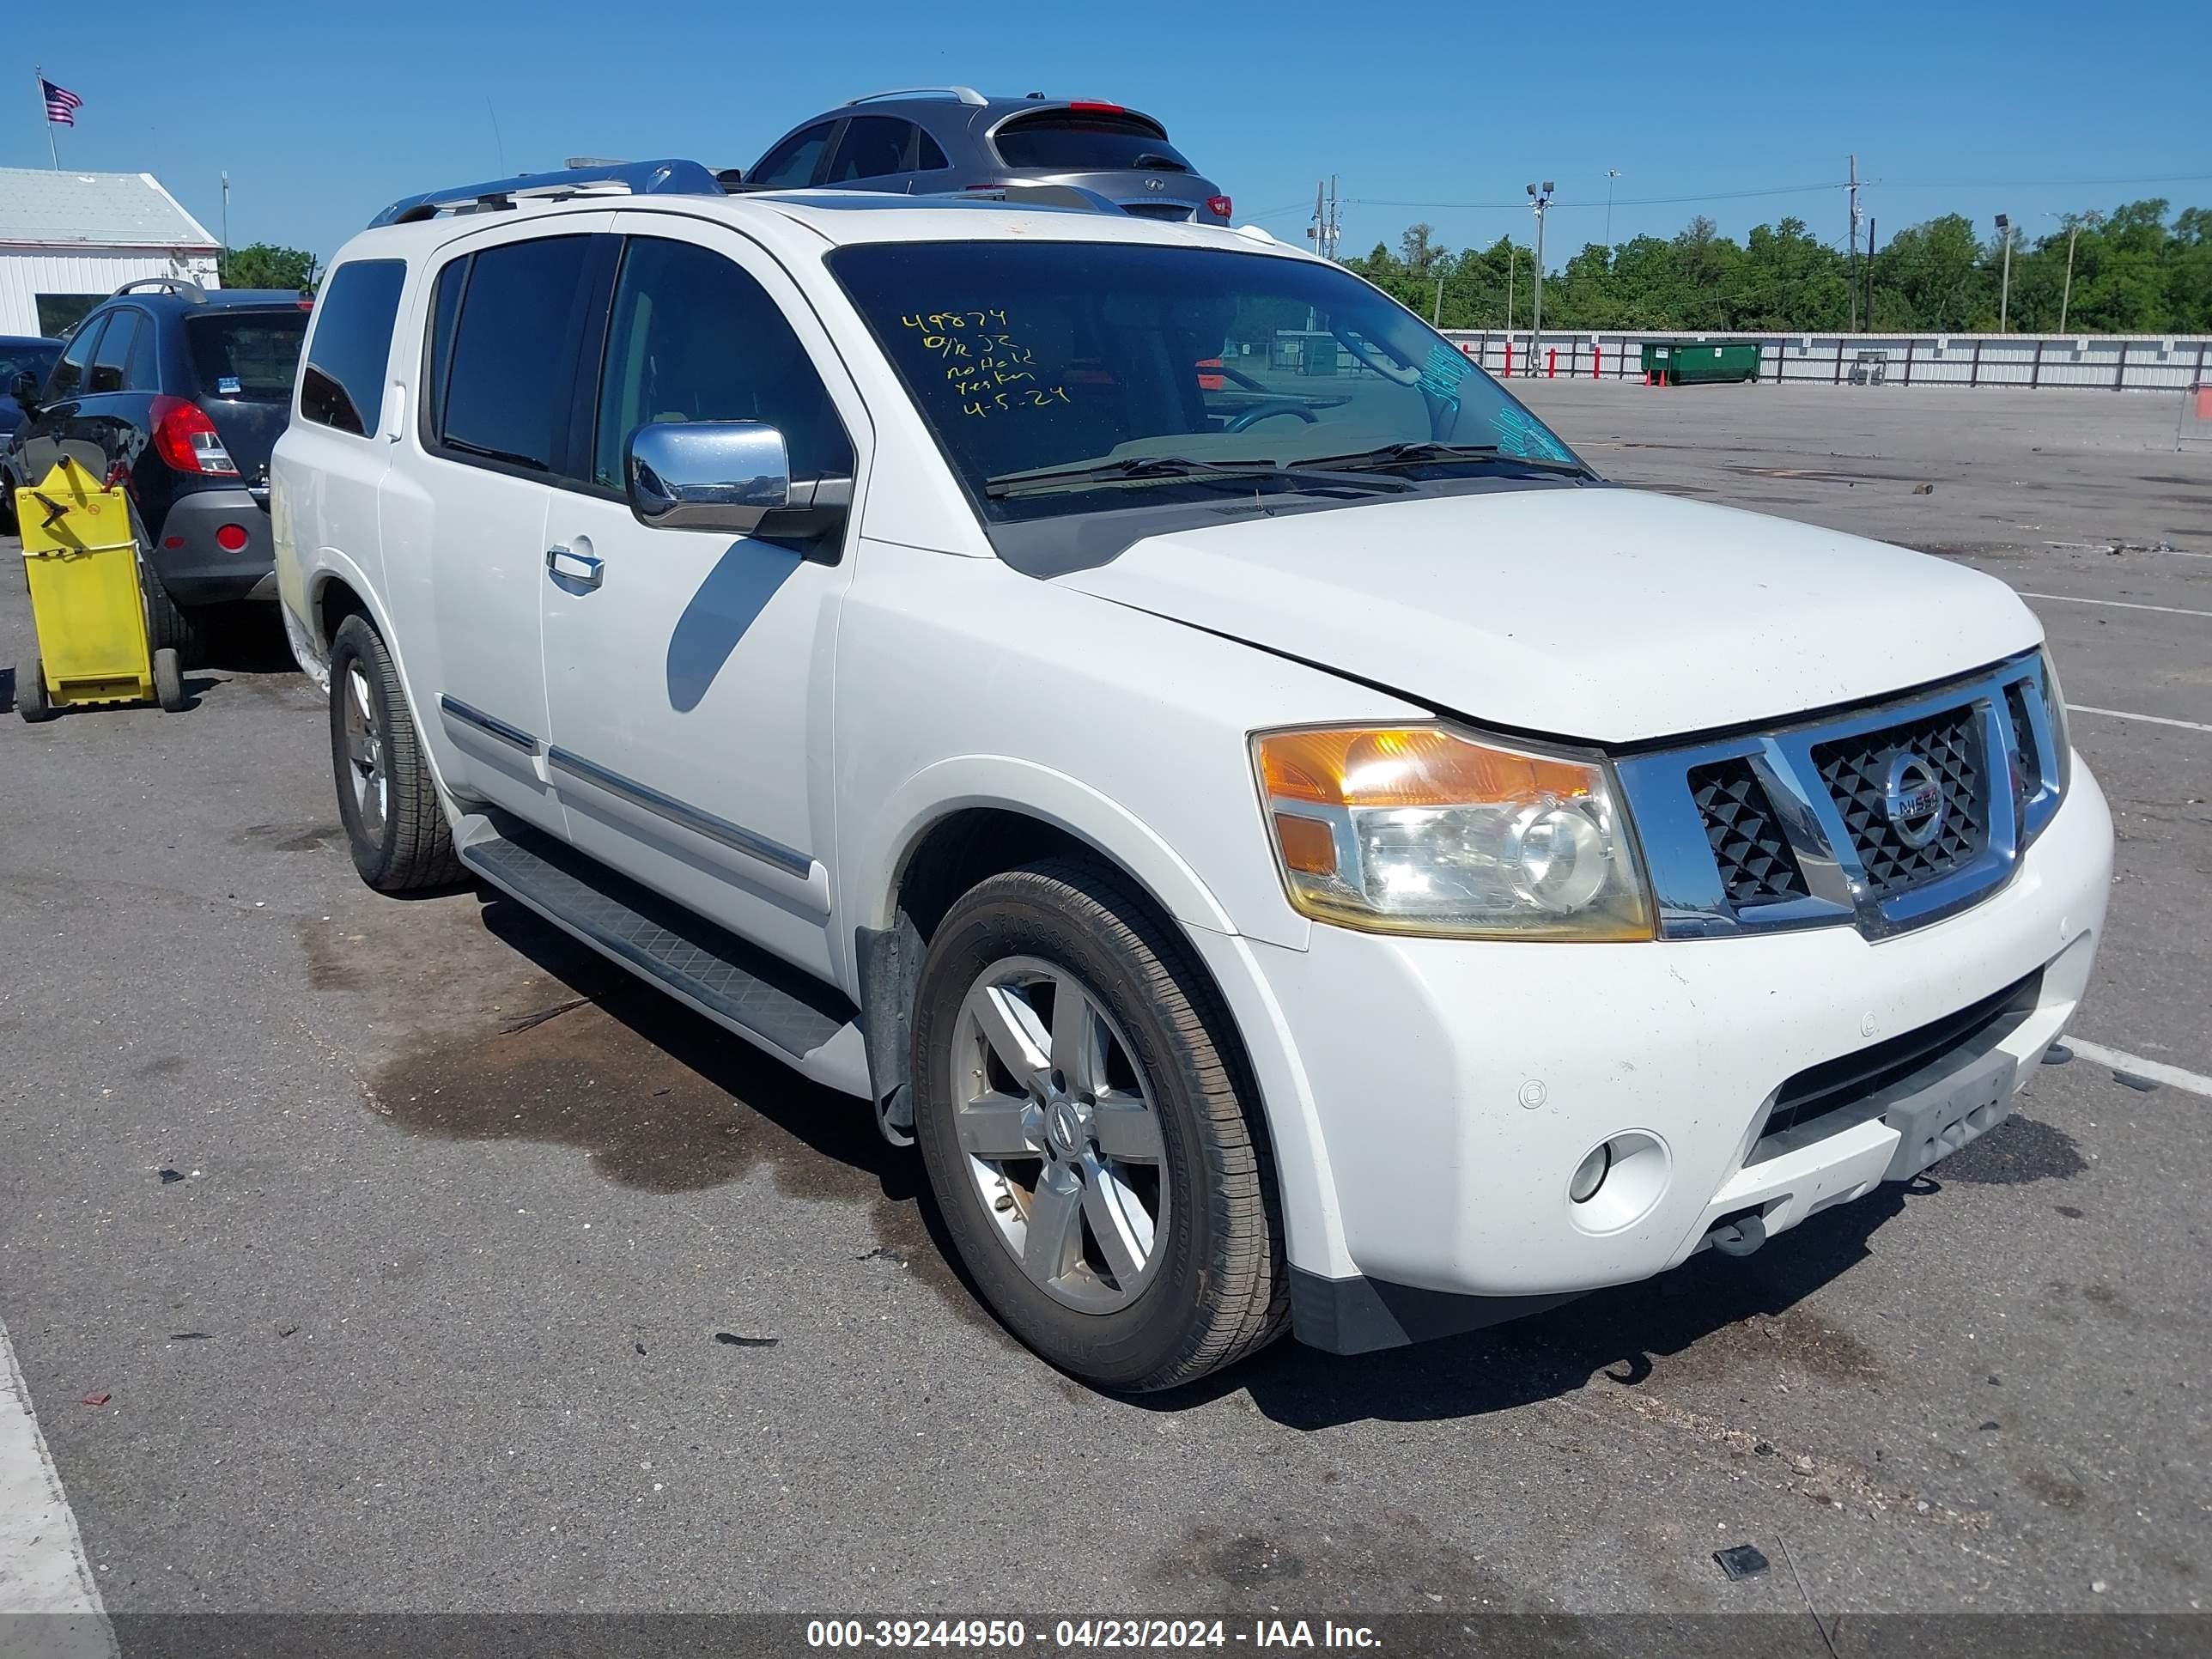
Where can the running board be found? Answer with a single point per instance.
(782, 1008)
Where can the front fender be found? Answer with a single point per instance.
(1312, 1228)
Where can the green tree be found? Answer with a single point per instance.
(265, 265)
(2136, 271)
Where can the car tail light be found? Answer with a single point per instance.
(231, 538)
(187, 439)
(1219, 206)
(1093, 107)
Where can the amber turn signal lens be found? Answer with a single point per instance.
(1307, 844)
(1416, 766)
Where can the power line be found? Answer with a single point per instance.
(1624, 201)
(2040, 184)
(1800, 190)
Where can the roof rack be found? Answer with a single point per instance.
(177, 285)
(966, 94)
(666, 178)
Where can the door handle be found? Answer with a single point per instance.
(585, 567)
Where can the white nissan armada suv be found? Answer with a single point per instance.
(1295, 848)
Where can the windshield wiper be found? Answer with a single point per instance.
(1428, 453)
(1136, 467)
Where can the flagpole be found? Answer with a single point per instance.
(38, 70)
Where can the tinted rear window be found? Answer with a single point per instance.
(1085, 141)
(512, 363)
(247, 354)
(343, 384)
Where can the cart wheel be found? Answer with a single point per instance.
(168, 681)
(31, 701)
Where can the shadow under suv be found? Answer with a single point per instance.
(926, 141)
(181, 393)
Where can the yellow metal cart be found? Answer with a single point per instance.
(88, 602)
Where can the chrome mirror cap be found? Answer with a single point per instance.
(707, 475)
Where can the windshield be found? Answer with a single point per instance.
(26, 359)
(247, 354)
(1081, 355)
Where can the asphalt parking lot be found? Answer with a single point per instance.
(430, 1319)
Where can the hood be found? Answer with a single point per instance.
(1610, 616)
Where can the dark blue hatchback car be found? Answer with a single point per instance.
(178, 393)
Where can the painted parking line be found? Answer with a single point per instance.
(43, 1570)
(2123, 714)
(2152, 1071)
(2115, 605)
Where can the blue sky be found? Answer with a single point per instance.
(323, 114)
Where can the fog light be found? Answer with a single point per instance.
(1591, 1174)
(231, 538)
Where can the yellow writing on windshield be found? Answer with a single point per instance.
(988, 368)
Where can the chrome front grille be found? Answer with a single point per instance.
(1752, 854)
(1882, 819)
(1856, 772)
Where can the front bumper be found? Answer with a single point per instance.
(1454, 1086)
(193, 562)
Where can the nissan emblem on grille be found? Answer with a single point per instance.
(1913, 798)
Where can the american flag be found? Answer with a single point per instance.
(61, 103)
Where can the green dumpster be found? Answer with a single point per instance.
(1692, 363)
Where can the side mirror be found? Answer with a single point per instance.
(708, 475)
(24, 389)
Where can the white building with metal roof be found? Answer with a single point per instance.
(68, 240)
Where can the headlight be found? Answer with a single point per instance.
(1415, 829)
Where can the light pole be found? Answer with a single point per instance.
(1512, 265)
(2072, 222)
(1538, 201)
(1611, 173)
(226, 212)
(2004, 292)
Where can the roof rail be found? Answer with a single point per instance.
(966, 94)
(177, 285)
(668, 177)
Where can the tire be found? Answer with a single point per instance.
(168, 682)
(9, 524)
(170, 627)
(1212, 1285)
(31, 700)
(387, 800)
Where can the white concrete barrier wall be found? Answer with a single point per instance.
(2142, 363)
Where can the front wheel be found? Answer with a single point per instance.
(168, 682)
(388, 798)
(31, 700)
(1088, 1135)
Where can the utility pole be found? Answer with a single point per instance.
(1869, 268)
(2004, 292)
(1335, 229)
(1539, 202)
(1317, 232)
(1611, 173)
(1437, 316)
(226, 212)
(1853, 261)
(1512, 263)
(2074, 223)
